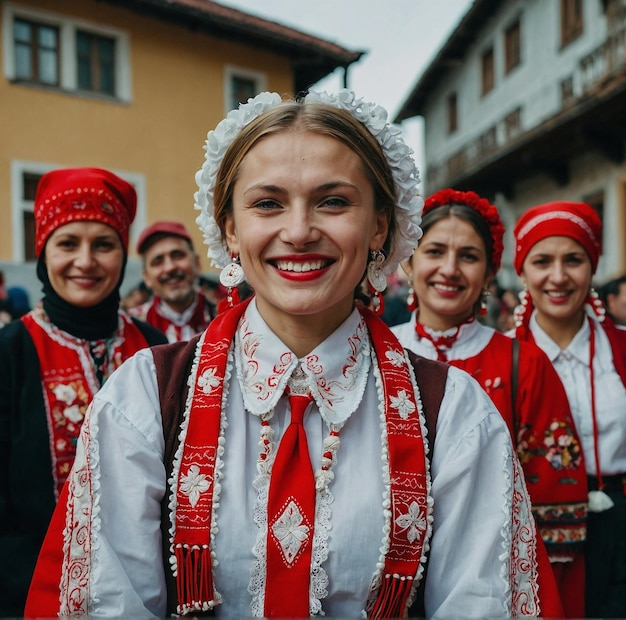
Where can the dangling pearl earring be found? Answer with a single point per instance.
(411, 301)
(596, 304)
(483, 303)
(376, 280)
(231, 277)
(522, 310)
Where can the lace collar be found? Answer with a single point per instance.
(336, 370)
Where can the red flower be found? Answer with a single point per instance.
(488, 212)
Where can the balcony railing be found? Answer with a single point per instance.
(591, 72)
(604, 62)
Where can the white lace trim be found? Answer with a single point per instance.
(524, 575)
(506, 568)
(386, 500)
(318, 589)
(219, 464)
(263, 376)
(80, 536)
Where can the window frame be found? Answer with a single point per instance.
(68, 70)
(35, 49)
(487, 71)
(96, 62)
(232, 72)
(452, 106)
(572, 25)
(513, 45)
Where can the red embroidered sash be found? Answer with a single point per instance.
(69, 381)
(195, 464)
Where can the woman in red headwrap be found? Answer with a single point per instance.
(557, 248)
(459, 254)
(56, 357)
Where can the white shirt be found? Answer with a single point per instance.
(572, 365)
(472, 470)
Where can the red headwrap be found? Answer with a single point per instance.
(576, 220)
(83, 194)
(482, 206)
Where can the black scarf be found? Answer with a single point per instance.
(97, 322)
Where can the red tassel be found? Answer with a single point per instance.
(392, 597)
(194, 579)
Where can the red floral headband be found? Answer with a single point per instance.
(482, 206)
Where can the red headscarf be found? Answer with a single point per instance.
(83, 194)
(576, 220)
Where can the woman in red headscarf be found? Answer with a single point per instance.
(557, 248)
(458, 256)
(56, 357)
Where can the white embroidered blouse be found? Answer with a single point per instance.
(472, 483)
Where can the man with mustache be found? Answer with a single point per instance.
(170, 269)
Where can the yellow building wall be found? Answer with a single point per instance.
(177, 78)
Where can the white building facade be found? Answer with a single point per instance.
(525, 104)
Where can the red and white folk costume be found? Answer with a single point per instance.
(70, 378)
(52, 362)
(592, 368)
(176, 326)
(539, 421)
(534, 405)
(111, 561)
(365, 435)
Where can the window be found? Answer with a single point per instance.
(242, 90)
(487, 71)
(95, 62)
(571, 20)
(45, 48)
(453, 121)
(512, 46)
(240, 85)
(36, 52)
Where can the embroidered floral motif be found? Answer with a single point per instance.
(74, 414)
(194, 483)
(291, 532)
(558, 446)
(396, 358)
(403, 403)
(65, 393)
(208, 380)
(413, 521)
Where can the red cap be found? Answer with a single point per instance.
(576, 220)
(163, 229)
(83, 194)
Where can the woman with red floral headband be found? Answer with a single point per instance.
(279, 464)
(56, 357)
(459, 254)
(557, 248)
